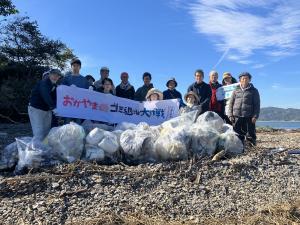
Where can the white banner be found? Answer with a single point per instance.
(85, 104)
(225, 92)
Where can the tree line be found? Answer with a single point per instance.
(25, 54)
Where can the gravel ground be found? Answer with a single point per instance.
(258, 187)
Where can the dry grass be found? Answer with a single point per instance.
(285, 213)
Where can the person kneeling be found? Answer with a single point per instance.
(192, 103)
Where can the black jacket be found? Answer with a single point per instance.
(140, 94)
(43, 95)
(125, 93)
(204, 93)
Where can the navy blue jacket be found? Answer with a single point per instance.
(173, 94)
(43, 95)
(203, 91)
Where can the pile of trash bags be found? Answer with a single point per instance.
(175, 139)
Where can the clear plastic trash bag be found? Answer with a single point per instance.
(210, 119)
(34, 154)
(67, 141)
(9, 155)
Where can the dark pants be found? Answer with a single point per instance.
(243, 126)
(227, 120)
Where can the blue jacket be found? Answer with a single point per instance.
(78, 80)
(43, 95)
(203, 91)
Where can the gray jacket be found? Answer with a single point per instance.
(245, 102)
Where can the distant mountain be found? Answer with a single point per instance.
(279, 114)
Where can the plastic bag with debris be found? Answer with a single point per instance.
(185, 119)
(33, 154)
(212, 120)
(172, 144)
(139, 143)
(9, 155)
(125, 126)
(93, 153)
(118, 135)
(204, 140)
(89, 125)
(67, 141)
(95, 136)
(109, 143)
(230, 142)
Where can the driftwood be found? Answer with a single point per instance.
(7, 118)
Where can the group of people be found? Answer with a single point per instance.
(241, 110)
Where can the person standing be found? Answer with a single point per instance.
(154, 95)
(41, 104)
(244, 108)
(215, 105)
(91, 81)
(172, 93)
(228, 79)
(202, 90)
(125, 89)
(104, 73)
(107, 86)
(75, 79)
(140, 94)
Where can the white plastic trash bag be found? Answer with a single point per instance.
(137, 143)
(118, 135)
(204, 140)
(93, 153)
(95, 136)
(109, 143)
(9, 155)
(182, 120)
(89, 125)
(210, 119)
(230, 142)
(172, 144)
(125, 126)
(33, 154)
(67, 141)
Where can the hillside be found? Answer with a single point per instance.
(279, 114)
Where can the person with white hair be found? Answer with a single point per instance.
(215, 105)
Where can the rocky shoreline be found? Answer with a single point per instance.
(260, 186)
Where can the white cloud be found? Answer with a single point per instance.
(258, 66)
(247, 27)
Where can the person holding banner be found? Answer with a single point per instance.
(202, 90)
(42, 103)
(75, 79)
(107, 86)
(227, 80)
(154, 95)
(140, 94)
(125, 89)
(172, 93)
(104, 73)
(244, 108)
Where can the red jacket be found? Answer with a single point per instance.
(214, 105)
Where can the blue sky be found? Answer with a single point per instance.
(173, 38)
